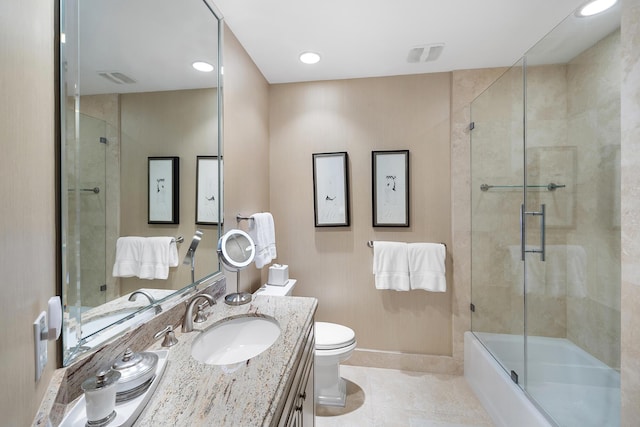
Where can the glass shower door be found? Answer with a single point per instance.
(497, 271)
(572, 153)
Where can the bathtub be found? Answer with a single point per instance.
(573, 387)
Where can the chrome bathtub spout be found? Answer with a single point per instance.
(151, 299)
(187, 323)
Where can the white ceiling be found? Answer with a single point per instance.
(367, 38)
(155, 41)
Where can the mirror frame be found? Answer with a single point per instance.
(60, 117)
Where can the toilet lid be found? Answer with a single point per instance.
(331, 335)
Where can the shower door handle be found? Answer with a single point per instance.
(542, 214)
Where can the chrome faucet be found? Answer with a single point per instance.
(187, 323)
(151, 299)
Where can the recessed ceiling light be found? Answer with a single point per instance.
(594, 7)
(205, 67)
(309, 57)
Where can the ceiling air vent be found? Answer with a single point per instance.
(425, 53)
(116, 77)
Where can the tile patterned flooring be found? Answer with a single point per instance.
(389, 398)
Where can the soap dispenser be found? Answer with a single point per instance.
(100, 397)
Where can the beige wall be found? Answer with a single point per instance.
(172, 123)
(27, 189)
(335, 264)
(630, 369)
(246, 147)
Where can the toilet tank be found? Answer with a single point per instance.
(281, 291)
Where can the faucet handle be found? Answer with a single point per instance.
(200, 315)
(169, 336)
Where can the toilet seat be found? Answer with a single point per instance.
(331, 336)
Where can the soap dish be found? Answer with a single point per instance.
(126, 412)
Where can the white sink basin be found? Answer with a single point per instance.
(235, 340)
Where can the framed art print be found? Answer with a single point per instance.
(331, 189)
(390, 185)
(163, 185)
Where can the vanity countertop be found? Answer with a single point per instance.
(247, 394)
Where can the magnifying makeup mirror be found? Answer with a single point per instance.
(236, 250)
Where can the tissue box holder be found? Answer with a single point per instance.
(278, 275)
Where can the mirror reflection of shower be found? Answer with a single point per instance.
(190, 257)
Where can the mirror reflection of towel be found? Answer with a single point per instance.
(145, 257)
(128, 256)
(158, 254)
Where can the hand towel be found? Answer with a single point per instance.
(262, 231)
(158, 254)
(427, 266)
(128, 255)
(391, 266)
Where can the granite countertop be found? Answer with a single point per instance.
(246, 394)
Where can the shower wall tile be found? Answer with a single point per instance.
(630, 159)
(546, 95)
(594, 127)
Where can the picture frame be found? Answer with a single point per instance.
(390, 188)
(163, 190)
(331, 189)
(209, 199)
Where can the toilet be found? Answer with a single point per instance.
(334, 344)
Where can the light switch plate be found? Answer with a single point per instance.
(40, 330)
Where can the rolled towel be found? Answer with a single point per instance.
(391, 266)
(427, 266)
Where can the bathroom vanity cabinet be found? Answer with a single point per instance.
(298, 408)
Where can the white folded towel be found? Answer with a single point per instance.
(128, 255)
(263, 232)
(427, 266)
(391, 266)
(145, 257)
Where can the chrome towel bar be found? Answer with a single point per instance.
(370, 244)
(92, 190)
(243, 218)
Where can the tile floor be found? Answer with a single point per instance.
(389, 398)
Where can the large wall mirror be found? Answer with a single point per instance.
(130, 92)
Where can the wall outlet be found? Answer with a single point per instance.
(40, 330)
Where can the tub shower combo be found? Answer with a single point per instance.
(545, 242)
